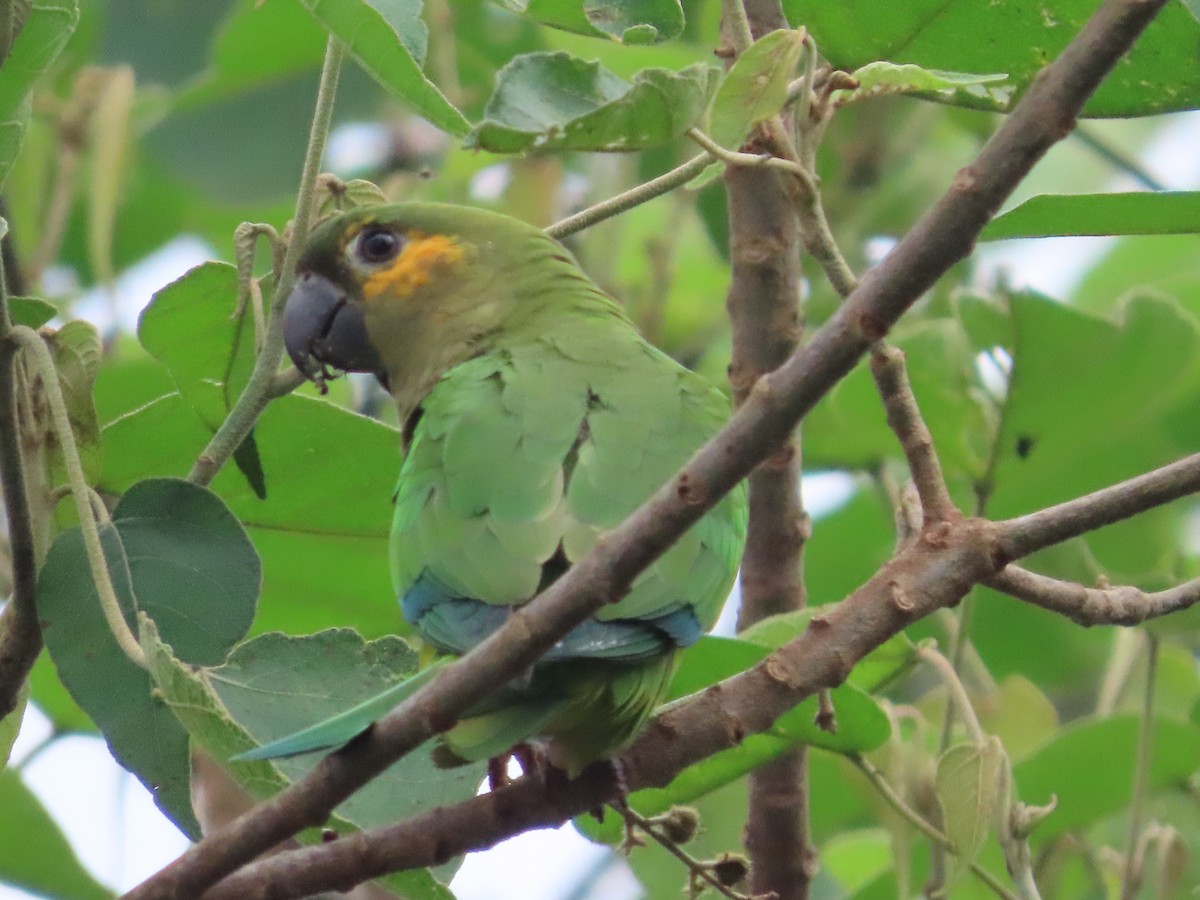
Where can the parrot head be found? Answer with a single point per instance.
(406, 291)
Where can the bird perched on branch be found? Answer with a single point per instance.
(534, 419)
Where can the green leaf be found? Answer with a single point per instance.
(190, 327)
(387, 38)
(324, 559)
(1156, 76)
(34, 854)
(175, 548)
(48, 24)
(756, 87)
(629, 21)
(1126, 408)
(275, 684)
(257, 44)
(848, 431)
(969, 780)
(10, 725)
(31, 312)
(1020, 715)
(879, 78)
(1102, 750)
(1048, 215)
(547, 101)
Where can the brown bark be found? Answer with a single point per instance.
(763, 306)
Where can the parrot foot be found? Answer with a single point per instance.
(533, 759)
(497, 771)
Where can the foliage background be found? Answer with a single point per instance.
(196, 121)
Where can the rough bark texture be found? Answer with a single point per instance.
(763, 306)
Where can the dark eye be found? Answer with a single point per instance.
(377, 245)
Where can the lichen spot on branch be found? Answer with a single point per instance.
(423, 257)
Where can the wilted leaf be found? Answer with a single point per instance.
(549, 101)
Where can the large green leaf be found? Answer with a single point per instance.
(48, 24)
(175, 553)
(1170, 212)
(322, 532)
(1102, 751)
(34, 854)
(630, 21)
(1112, 393)
(192, 327)
(847, 428)
(1157, 76)
(257, 44)
(546, 101)
(388, 40)
(276, 684)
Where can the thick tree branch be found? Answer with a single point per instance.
(764, 314)
(935, 571)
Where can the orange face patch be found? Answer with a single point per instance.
(423, 257)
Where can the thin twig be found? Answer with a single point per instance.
(259, 388)
(636, 196)
(696, 867)
(752, 160)
(904, 418)
(1115, 605)
(1025, 534)
(958, 693)
(1131, 877)
(81, 493)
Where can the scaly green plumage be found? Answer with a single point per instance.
(536, 419)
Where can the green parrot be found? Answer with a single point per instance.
(534, 418)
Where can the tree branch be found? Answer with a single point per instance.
(937, 570)
(1118, 605)
(1023, 535)
(932, 572)
(20, 630)
(904, 418)
(764, 314)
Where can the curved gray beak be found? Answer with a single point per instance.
(324, 329)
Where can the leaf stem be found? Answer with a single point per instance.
(43, 364)
(923, 825)
(1131, 877)
(958, 693)
(259, 387)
